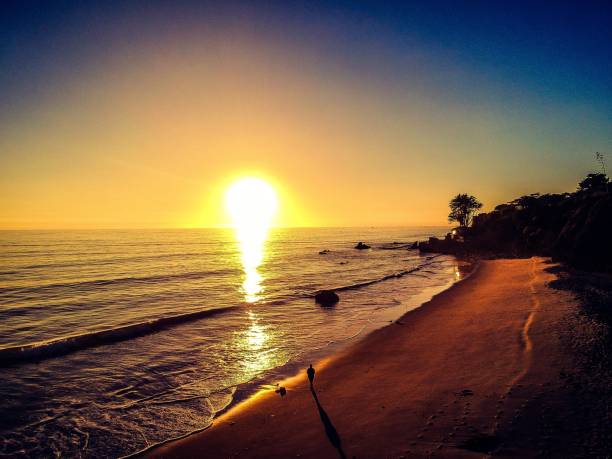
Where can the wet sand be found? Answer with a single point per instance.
(475, 370)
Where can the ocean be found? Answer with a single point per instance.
(114, 341)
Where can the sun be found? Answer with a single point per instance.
(251, 203)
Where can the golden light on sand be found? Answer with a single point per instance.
(251, 203)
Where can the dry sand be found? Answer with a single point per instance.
(474, 370)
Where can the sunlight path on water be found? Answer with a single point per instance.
(251, 203)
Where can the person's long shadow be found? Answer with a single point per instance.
(330, 430)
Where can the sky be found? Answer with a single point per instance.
(141, 114)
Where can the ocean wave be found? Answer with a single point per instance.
(390, 276)
(110, 261)
(9, 291)
(66, 345)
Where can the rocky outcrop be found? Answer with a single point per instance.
(447, 245)
(327, 298)
(586, 238)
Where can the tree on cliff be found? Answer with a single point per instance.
(594, 182)
(598, 181)
(463, 208)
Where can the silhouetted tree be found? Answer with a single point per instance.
(593, 182)
(524, 202)
(463, 208)
(599, 157)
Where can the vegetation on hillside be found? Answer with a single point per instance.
(573, 227)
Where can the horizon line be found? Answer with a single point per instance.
(220, 227)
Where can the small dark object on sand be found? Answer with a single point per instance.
(282, 391)
(466, 393)
(362, 246)
(324, 252)
(327, 298)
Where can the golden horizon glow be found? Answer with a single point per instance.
(251, 203)
(149, 139)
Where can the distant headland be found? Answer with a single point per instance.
(572, 227)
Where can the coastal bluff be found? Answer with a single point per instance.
(575, 228)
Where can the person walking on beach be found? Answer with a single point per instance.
(310, 372)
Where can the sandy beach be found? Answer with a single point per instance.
(476, 370)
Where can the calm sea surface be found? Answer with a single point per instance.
(112, 341)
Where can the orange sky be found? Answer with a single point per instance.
(151, 136)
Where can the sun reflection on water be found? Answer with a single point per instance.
(462, 268)
(252, 246)
(256, 335)
(251, 202)
(256, 341)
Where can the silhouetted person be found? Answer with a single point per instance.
(311, 373)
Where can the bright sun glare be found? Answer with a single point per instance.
(252, 204)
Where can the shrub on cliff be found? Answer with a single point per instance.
(594, 182)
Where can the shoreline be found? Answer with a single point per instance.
(288, 371)
(475, 370)
(467, 267)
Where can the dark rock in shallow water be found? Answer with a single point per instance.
(362, 246)
(446, 245)
(324, 252)
(327, 298)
